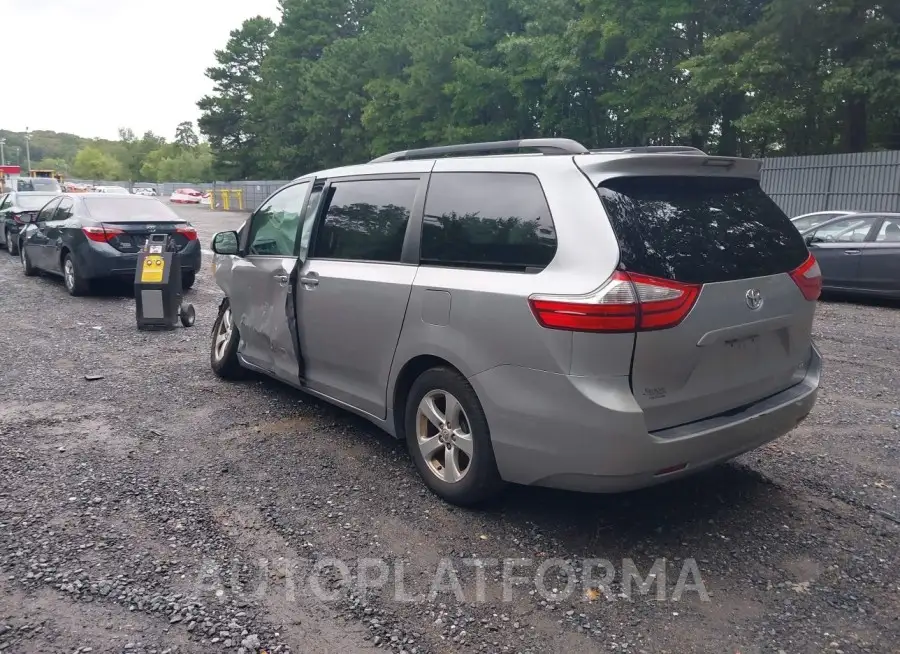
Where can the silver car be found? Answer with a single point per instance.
(587, 320)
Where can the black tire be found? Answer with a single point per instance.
(481, 480)
(10, 243)
(224, 362)
(27, 268)
(74, 283)
(188, 279)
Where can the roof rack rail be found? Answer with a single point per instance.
(544, 146)
(650, 149)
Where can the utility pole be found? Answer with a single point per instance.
(28, 150)
(2, 152)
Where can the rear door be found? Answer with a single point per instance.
(354, 287)
(261, 292)
(53, 231)
(879, 269)
(838, 247)
(706, 222)
(38, 245)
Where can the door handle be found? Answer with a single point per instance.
(851, 251)
(310, 280)
(282, 279)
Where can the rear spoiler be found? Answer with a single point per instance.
(598, 167)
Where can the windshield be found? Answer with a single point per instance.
(129, 208)
(32, 202)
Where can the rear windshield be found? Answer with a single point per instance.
(700, 229)
(32, 202)
(45, 183)
(128, 208)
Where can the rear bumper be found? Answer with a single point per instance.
(99, 260)
(588, 434)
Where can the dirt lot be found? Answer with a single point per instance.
(159, 509)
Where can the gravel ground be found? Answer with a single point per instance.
(159, 509)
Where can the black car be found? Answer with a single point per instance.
(858, 253)
(88, 237)
(16, 209)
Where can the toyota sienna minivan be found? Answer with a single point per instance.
(532, 311)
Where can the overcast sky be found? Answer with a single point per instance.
(92, 66)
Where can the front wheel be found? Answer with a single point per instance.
(448, 438)
(223, 351)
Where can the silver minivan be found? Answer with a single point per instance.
(532, 311)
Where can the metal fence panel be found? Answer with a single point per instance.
(861, 181)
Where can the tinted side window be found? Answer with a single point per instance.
(48, 210)
(273, 228)
(64, 210)
(889, 232)
(496, 221)
(366, 220)
(700, 229)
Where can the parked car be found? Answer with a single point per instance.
(38, 184)
(809, 220)
(119, 190)
(186, 196)
(594, 321)
(16, 209)
(143, 190)
(89, 237)
(859, 253)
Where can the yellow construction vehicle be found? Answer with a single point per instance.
(46, 174)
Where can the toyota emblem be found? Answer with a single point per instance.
(754, 299)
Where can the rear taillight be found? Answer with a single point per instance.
(18, 218)
(627, 302)
(101, 233)
(808, 278)
(187, 231)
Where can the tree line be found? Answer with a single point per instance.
(149, 158)
(340, 81)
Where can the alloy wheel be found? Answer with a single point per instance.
(223, 335)
(69, 272)
(444, 436)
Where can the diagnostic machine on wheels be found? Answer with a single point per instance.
(157, 286)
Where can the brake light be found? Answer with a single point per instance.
(808, 278)
(627, 302)
(187, 231)
(17, 217)
(101, 233)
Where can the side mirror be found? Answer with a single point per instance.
(225, 243)
(809, 239)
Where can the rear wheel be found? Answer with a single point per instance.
(12, 243)
(449, 440)
(223, 352)
(188, 279)
(27, 268)
(75, 284)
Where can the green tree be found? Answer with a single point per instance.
(226, 117)
(185, 136)
(92, 163)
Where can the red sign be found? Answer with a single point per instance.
(11, 170)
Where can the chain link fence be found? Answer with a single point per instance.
(864, 181)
